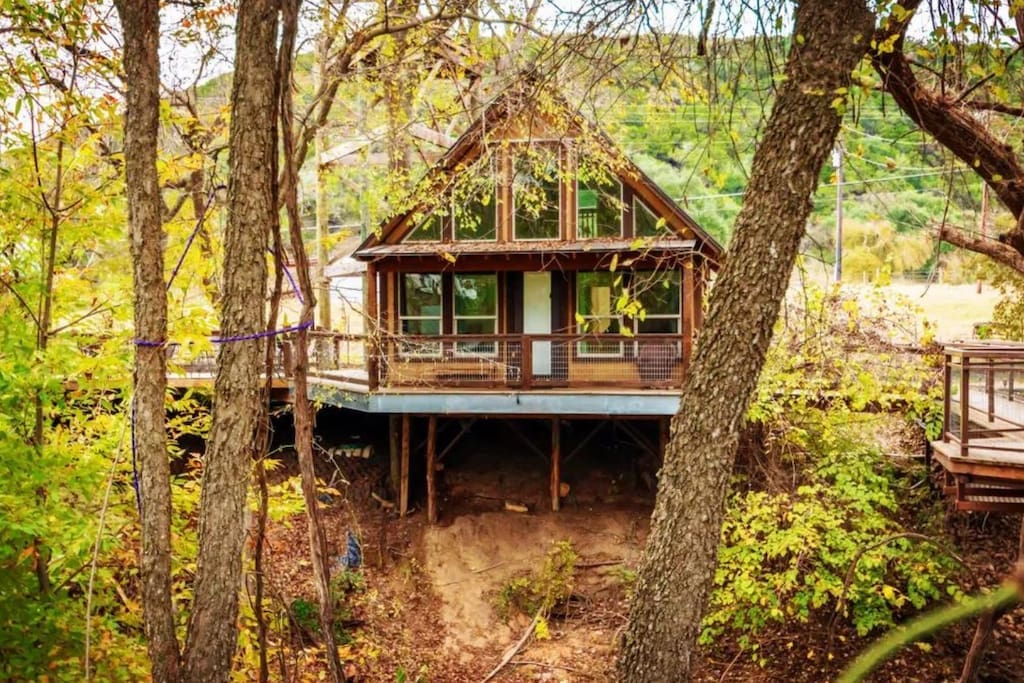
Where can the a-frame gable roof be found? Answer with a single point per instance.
(525, 113)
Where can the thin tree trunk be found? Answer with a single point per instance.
(213, 628)
(678, 566)
(302, 408)
(140, 21)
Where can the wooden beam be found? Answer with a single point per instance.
(395, 436)
(556, 470)
(689, 312)
(373, 330)
(598, 424)
(432, 469)
(403, 495)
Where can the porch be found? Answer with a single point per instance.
(982, 445)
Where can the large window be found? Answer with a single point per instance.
(535, 195)
(475, 310)
(420, 312)
(596, 295)
(659, 297)
(477, 218)
(599, 210)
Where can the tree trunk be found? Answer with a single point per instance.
(678, 566)
(213, 628)
(302, 409)
(140, 22)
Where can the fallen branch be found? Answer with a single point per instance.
(514, 650)
(387, 504)
(560, 667)
(598, 563)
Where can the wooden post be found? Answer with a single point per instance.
(371, 327)
(990, 387)
(432, 469)
(526, 359)
(394, 427)
(947, 399)
(689, 315)
(965, 402)
(556, 471)
(403, 495)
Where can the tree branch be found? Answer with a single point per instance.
(996, 250)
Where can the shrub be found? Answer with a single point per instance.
(784, 556)
(542, 591)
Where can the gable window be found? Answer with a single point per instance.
(595, 310)
(598, 211)
(475, 311)
(429, 230)
(646, 223)
(535, 195)
(420, 312)
(475, 207)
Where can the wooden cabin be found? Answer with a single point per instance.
(535, 256)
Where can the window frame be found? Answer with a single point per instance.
(640, 205)
(405, 348)
(622, 205)
(456, 350)
(559, 220)
(581, 352)
(495, 196)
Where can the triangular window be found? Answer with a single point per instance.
(647, 224)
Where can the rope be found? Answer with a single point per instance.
(216, 340)
(191, 238)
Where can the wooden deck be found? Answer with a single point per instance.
(982, 444)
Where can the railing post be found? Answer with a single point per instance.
(990, 388)
(947, 400)
(527, 361)
(372, 328)
(965, 403)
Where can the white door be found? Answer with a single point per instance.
(537, 318)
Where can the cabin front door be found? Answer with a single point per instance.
(537, 318)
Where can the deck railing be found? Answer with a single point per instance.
(529, 361)
(984, 397)
(496, 361)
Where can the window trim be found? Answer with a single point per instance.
(622, 206)
(581, 326)
(558, 208)
(405, 346)
(456, 352)
(640, 205)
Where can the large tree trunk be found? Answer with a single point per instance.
(213, 629)
(140, 21)
(678, 566)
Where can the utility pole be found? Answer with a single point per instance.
(837, 164)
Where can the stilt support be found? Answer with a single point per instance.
(556, 466)
(432, 469)
(403, 495)
(395, 478)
